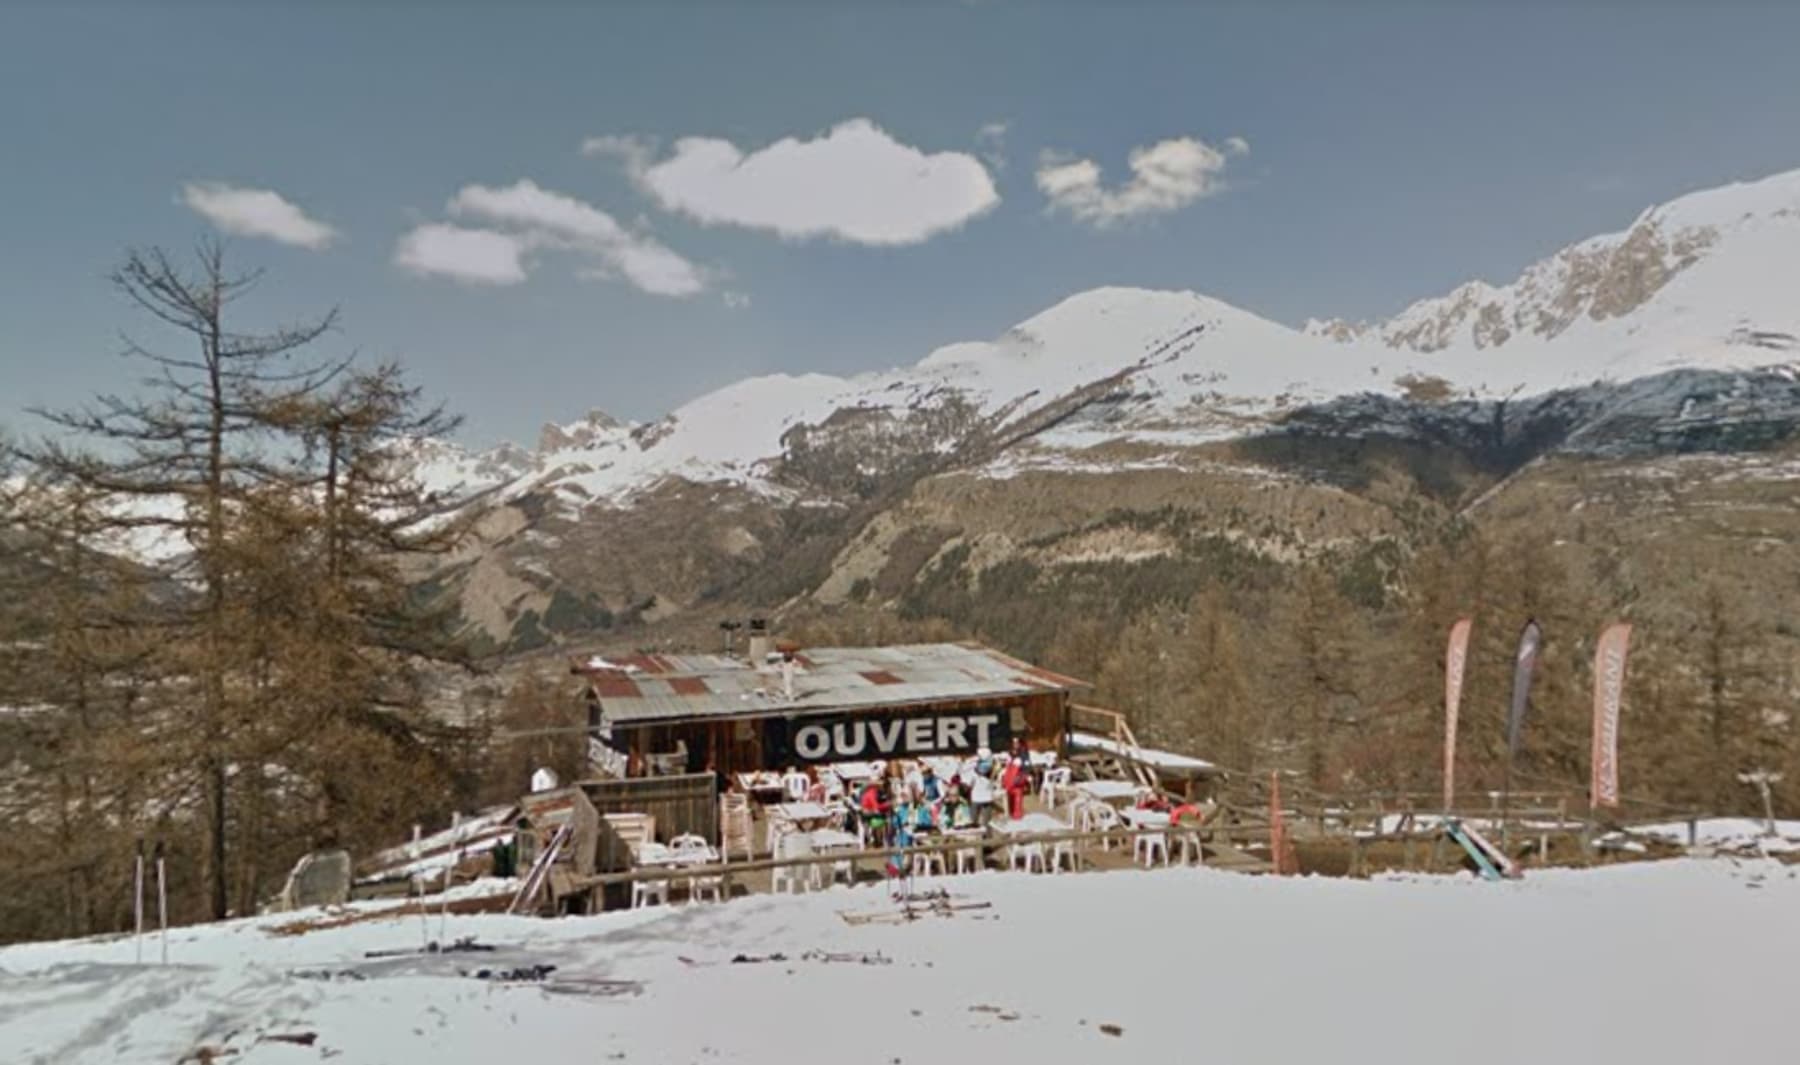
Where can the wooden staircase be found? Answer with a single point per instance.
(1111, 725)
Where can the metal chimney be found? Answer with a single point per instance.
(760, 643)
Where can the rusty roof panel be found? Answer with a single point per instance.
(880, 676)
(689, 686)
(615, 686)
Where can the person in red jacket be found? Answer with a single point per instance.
(1015, 778)
(874, 806)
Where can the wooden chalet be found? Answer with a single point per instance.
(669, 714)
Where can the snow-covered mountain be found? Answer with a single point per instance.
(1704, 280)
(1701, 282)
(1673, 337)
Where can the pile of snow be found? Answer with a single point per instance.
(1671, 962)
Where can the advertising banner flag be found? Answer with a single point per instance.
(1609, 690)
(1456, 660)
(1524, 664)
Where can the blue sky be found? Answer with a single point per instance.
(1389, 152)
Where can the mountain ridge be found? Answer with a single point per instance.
(1090, 427)
(1688, 284)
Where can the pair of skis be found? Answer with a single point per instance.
(162, 902)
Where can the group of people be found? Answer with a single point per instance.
(898, 803)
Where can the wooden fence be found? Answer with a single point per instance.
(728, 871)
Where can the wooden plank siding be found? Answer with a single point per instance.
(682, 804)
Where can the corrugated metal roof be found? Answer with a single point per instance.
(660, 687)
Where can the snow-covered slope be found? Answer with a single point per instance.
(1674, 962)
(1703, 282)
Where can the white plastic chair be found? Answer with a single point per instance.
(1148, 845)
(774, 829)
(787, 878)
(923, 862)
(1101, 818)
(699, 886)
(734, 826)
(845, 869)
(1064, 849)
(642, 891)
(968, 859)
(1025, 855)
(1060, 777)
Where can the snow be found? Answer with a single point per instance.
(446, 849)
(1729, 833)
(1147, 755)
(1669, 962)
(1745, 237)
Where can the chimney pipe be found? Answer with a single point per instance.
(760, 644)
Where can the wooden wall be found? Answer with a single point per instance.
(680, 804)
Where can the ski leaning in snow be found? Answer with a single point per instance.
(1493, 864)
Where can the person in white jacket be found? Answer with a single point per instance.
(981, 791)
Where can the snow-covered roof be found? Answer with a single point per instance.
(1150, 756)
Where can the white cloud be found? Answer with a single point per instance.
(256, 213)
(853, 183)
(525, 204)
(480, 256)
(635, 152)
(1166, 176)
(991, 141)
(524, 216)
(737, 301)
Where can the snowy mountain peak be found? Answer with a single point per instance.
(596, 425)
(1698, 282)
(1697, 267)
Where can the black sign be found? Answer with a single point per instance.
(865, 737)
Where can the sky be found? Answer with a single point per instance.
(542, 209)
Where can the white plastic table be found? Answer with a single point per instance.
(804, 813)
(1145, 818)
(655, 854)
(852, 772)
(834, 839)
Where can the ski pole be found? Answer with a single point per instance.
(137, 903)
(162, 902)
